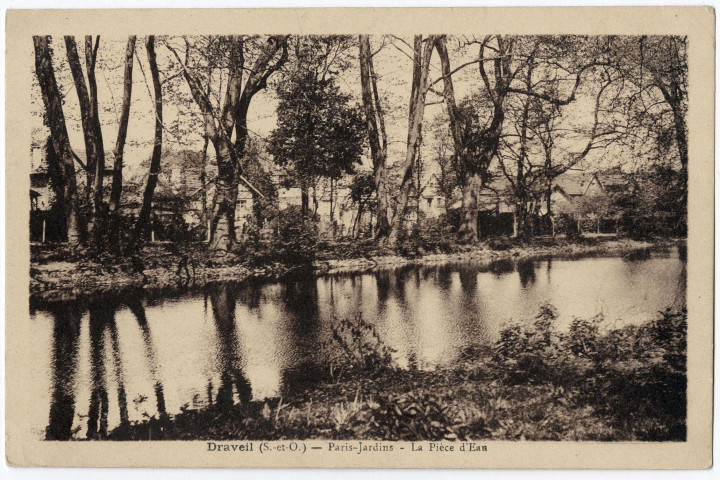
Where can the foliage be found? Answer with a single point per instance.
(320, 131)
(442, 156)
(360, 346)
(362, 188)
(435, 235)
(656, 206)
(566, 224)
(636, 375)
(411, 416)
(500, 243)
(294, 241)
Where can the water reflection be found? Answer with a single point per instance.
(65, 332)
(468, 280)
(126, 358)
(223, 300)
(101, 316)
(502, 267)
(443, 275)
(138, 311)
(526, 272)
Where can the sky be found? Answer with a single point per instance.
(393, 64)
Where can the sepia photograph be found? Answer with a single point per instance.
(357, 239)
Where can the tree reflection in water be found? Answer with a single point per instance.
(222, 300)
(66, 330)
(135, 306)
(526, 271)
(271, 339)
(468, 281)
(67, 317)
(444, 277)
(100, 315)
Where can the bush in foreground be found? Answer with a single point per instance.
(635, 376)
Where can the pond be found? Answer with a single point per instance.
(102, 361)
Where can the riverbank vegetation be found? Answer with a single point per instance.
(66, 273)
(537, 382)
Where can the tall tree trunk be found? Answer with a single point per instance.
(99, 175)
(116, 190)
(236, 109)
(475, 165)
(85, 113)
(63, 174)
(304, 200)
(144, 216)
(376, 132)
(92, 134)
(421, 66)
(522, 192)
(203, 186)
(222, 227)
(681, 136)
(332, 207)
(468, 231)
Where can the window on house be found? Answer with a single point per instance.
(429, 202)
(243, 203)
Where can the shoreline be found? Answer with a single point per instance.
(67, 281)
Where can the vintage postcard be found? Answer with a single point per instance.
(387, 238)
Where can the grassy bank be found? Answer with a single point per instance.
(535, 383)
(60, 273)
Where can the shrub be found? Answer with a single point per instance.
(635, 376)
(360, 346)
(295, 241)
(412, 416)
(500, 243)
(435, 235)
(533, 353)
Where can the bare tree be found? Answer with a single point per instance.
(144, 215)
(233, 115)
(116, 190)
(375, 118)
(421, 66)
(63, 173)
(547, 130)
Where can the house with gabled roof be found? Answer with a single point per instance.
(585, 197)
(570, 187)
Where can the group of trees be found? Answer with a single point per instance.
(532, 107)
(224, 125)
(62, 158)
